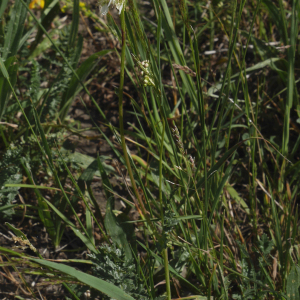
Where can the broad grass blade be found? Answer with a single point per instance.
(87, 175)
(96, 283)
(75, 22)
(15, 30)
(123, 236)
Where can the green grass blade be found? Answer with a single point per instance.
(11, 252)
(220, 189)
(84, 182)
(216, 166)
(278, 236)
(279, 18)
(3, 7)
(83, 238)
(89, 224)
(75, 23)
(96, 283)
(14, 30)
(70, 291)
(8, 79)
(104, 177)
(290, 79)
(81, 74)
(172, 270)
(43, 209)
(123, 236)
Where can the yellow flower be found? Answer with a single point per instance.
(37, 4)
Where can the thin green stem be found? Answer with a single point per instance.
(165, 250)
(167, 274)
(160, 173)
(139, 204)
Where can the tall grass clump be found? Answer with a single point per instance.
(211, 153)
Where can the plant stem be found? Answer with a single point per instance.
(138, 201)
(165, 250)
(167, 274)
(140, 205)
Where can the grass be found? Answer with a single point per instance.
(212, 156)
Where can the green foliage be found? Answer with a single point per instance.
(111, 265)
(87, 279)
(10, 172)
(53, 98)
(8, 78)
(206, 173)
(170, 221)
(122, 236)
(254, 287)
(293, 283)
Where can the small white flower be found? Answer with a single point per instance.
(87, 294)
(104, 5)
(145, 72)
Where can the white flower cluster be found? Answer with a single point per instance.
(105, 4)
(146, 73)
(87, 294)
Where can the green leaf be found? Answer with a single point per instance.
(45, 44)
(234, 194)
(9, 71)
(9, 173)
(30, 186)
(270, 62)
(104, 177)
(123, 236)
(96, 283)
(220, 189)
(3, 69)
(15, 30)
(85, 161)
(75, 22)
(293, 284)
(87, 175)
(3, 5)
(11, 252)
(16, 231)
(7, 207)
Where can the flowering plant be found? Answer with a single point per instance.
(104, 5)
